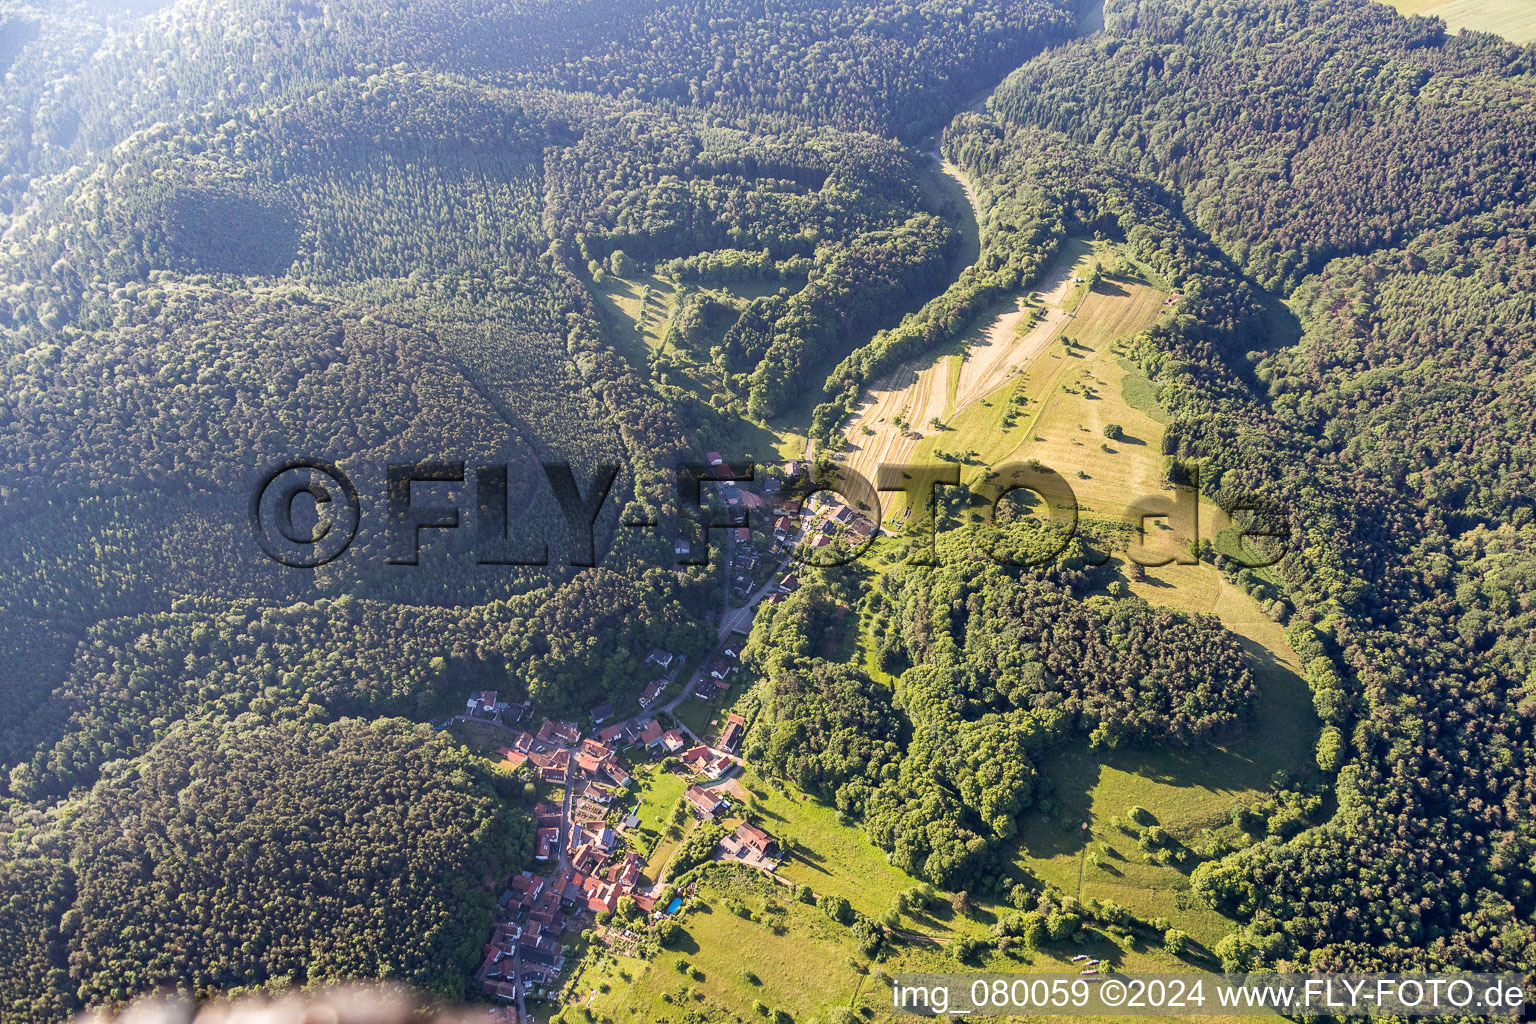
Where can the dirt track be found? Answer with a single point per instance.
(1001, 350)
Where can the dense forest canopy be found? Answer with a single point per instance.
(236, 231)
(1395, 427)
(997, 667)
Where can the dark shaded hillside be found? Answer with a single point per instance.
(1296, 132)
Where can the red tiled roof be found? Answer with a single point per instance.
(703, 799)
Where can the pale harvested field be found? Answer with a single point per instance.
(914, 396)
(1001, 351)
(1067, 431)
(992, 355)
(1515, 20)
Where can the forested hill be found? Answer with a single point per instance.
(238, 231)
(234, 232)
(1296, 132)
(85, 76)
(1377, 172)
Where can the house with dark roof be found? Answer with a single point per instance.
(735, 727)
(652, 693)
(602, 713)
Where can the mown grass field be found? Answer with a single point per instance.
(789, 956)
(1057, 407)
(1515, 20)
(659, 793)
(826, 855)
(697, 714)
(797, 955)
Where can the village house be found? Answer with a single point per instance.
(484, 704)
(660, 658)
(706, 762)
(650, 733)
(652, 693)
(602, 713)
(756, 840)
(704, 802)
(617, 773)
(673, 742)
(563, 734)
(554, 766)
(595, 792)
(735, 726)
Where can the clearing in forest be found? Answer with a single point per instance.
(1515, 20)
(975, 403)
